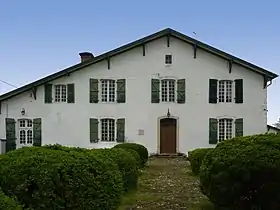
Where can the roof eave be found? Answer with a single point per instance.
(132, 45)
(223, 54)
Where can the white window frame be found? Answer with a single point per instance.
(108, 93)
(100, 129)
(25, 129)
(225, 129)
(168, 89)
(171, 59)
(226, 91)
(54, 93)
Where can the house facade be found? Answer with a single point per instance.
(166, 91)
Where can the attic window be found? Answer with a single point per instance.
(168, 59)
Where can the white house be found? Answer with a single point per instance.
(272, 129)
(166, 91)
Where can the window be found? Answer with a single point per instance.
(60, 92)
(225, 129)
(108, 130)
(25, 131)
(225, 91)
(108, 89)
(168, 59)
(168, 90)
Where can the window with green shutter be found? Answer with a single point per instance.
(70, 93)
(48, 93)
(239, 91)
(121, 130)
(213, 131)
(239, 127)
(10, 134)
(155, 84)
(93, 130)
(121, 96)
(213, 89)
(181, 91)
(37, 132)
(93, 90)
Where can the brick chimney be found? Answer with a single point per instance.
(85, 56)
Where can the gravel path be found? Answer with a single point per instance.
(167, 183)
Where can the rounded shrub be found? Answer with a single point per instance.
(7, 203)
(142, 151)
(135, 155)
(196, 157)
(127, 164)
(243, 173)
(41, 178)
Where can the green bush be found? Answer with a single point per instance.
(126, 163)
(41, 178)
(196, 157)
(7, 203)
(243, 173)
(63, 148)
(142, 151)
(124, 158)
(135, 155)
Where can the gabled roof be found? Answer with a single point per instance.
(166, 32)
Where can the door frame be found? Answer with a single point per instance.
(158, 132)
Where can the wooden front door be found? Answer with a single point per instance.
(168, 135)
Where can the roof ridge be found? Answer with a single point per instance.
(131, 45)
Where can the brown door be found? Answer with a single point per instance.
(168, 135)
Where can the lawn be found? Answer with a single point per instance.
(167, 183)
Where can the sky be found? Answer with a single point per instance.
(38, 38)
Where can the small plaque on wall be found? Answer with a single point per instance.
(140, 132)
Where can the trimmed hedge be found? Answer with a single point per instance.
(135, 155)
(64, 148)
(41, 178)
(243, 173)
(126, 159)
(7, 203)
(196, 157)
(142, 151)
(126, 163)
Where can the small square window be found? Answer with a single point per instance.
(168, 59)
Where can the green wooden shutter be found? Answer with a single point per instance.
(37, 132)
(10, 134)
(121, 91)
(93, 90)
(239, 91)
(93, 130)
(181, 91)
(48, 93)
(213, 131)
(239, 127)
(213, 90)
(121, 130)
(70, 93)
(155, 90)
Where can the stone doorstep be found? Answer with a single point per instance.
(169, 155)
